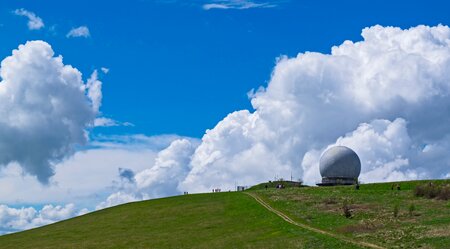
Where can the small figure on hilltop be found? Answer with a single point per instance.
(266, 186)
(280, 186)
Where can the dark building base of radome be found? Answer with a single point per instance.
(328, 181)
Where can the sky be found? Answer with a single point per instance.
(103, 104)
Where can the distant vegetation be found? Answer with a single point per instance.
(430, 191)
(376, 214)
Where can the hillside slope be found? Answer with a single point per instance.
(380, 215)
(219, 220)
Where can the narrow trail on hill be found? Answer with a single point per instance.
(310, 228)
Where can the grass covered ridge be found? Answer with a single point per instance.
(377, 215)
(216, 220)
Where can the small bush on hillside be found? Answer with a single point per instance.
(411, 209)
(396, 209)
(444, 194)
(330, 200)
(346, 209)
(430, 191)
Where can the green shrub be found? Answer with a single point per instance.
(396, 209)
(444, 194)
(346, 209)
(411, 209)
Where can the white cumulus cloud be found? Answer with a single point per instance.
(16, 219)
(170, 167)
(45, 108)
(34, 22)
(117, 199)
(81, 31)
(94, 91)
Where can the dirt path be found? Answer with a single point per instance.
(310, 228)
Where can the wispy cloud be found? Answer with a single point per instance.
(237, 4)
(81, 31)
(108, 122)
(34, 22)
(105, 70)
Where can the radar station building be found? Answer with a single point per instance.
(339, 165)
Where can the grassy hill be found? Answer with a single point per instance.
(378, 214)
(237, 220)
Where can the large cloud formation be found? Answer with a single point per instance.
(45, 108)
(387, 97)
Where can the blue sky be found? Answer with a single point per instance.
(176, 79)
(177, 68)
